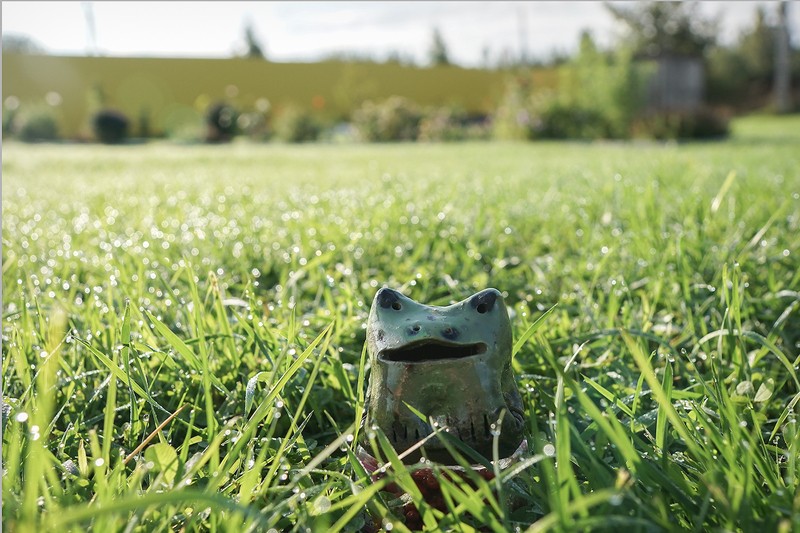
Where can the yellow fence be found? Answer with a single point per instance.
(167, 91)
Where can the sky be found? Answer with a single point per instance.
(476, 33)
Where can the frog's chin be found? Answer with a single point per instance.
(431, 350)
(370, 463)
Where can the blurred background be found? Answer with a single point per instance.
(117, 72)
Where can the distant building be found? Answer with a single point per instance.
(678, 83)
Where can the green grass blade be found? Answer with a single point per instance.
(531, 330)
(186, 352)
(661, 420)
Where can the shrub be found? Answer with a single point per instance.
(340, 133)
(145, 130)
(221, 122)
(560, 121)
(296, 125)
(184, 124)
(478, 130)
(599, 96)
(8, 122)
(394, 119)
(443, 124)
(36, 123)
(708, 123)
(254, 124)
(10, 107)
(606, 90)
(705, 123)
(110, 126)
(512, 119)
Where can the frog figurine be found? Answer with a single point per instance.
(453, 364)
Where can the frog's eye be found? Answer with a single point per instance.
(396, 306)
(483, 302)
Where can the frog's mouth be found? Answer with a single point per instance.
(431, 350)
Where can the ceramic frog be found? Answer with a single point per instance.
(452, 364)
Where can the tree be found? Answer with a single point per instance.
(610, 107)
(758, 68)
(21, 44)
(658, 28)
(400, 58)
(587, 45)
(438, 51)
(757, 48)
(253, 46)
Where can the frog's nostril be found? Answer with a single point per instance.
(387, 298)
(450, 333)
(414, 329)
(483, 302)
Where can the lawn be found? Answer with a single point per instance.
(183, 329)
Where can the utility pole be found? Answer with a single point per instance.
(523, 37)
(91, 31)
(782, 83)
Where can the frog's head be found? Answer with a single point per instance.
(451, 363)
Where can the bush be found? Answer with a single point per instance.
(512, 120)
(145, 130)
(221, 122)
(37, 123)
(478, 130)
(296, 125)
(8, 120)
(394, 119)
(561, 121)
(184, 124)
(110, 126)
(599, 96)
(254, 125)
(705, 123)
(708, 123)
(443, 124)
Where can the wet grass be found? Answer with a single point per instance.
(183, 329)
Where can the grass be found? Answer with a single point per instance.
(183, 329)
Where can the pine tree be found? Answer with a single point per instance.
(254, 48)
(438, 51)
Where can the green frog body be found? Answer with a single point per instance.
(453, 364)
